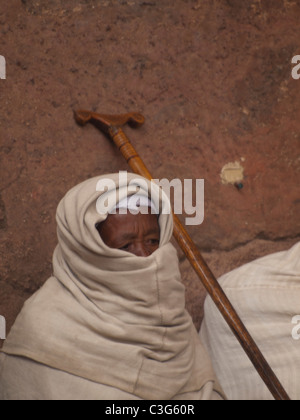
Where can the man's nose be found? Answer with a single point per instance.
(140, 250)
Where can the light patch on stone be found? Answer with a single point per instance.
(232, 173)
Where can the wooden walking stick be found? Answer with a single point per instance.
(111, 125)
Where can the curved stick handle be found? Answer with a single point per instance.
(104, 122)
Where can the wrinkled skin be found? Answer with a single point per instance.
(138, 234)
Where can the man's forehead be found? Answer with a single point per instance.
(133, 235)
(132, 220)
(128, 225)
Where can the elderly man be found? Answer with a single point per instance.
(111, 322)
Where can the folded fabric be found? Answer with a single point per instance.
(108, 316)
(266, 295)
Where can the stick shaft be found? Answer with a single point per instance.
(206, 276)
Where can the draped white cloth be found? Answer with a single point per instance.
(107, 316)
(266, 295)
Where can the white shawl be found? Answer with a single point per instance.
(266, 294)
(109, 316)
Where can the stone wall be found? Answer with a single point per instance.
(213, 79)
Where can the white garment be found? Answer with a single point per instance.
(108, 316)
(266, 295)
(55, 385)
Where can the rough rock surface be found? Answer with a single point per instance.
(213, 80)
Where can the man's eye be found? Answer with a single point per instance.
(125, 247)
(153, 241)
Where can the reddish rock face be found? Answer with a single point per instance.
(214, 82)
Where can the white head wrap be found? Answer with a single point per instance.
(135, 204)
(109, 316)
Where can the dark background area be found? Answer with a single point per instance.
(212, 78)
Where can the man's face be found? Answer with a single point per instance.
(138, 234)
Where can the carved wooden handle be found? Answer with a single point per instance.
(105, 122)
